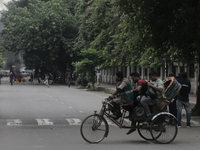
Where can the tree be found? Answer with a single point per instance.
(43, 31)
(167, 28)
(92, 59)
(1, 59)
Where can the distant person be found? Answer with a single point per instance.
(183, 99)
(31, 78)
(98, 77)
(46, 82)
(72, 77)
(11, 78)
(39, 78)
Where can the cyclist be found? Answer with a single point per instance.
(125, 98)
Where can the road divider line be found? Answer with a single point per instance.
(74, 121)
(14, 122)
(44, 122)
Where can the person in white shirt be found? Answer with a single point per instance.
(98, 77)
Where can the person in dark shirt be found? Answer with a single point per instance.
(140, 90)
(183, 99)
(141, 84)
(11, 78)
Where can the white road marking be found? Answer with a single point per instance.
(80, 111)
(70, 107)
(14, 122)
(74, 121)
(62, 103)
(44, 122)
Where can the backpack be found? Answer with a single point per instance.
(151, 92)
(138, 114)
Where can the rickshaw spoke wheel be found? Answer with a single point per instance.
(94, 129)
(164, 129)
(144, 131)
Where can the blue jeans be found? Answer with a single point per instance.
(68, 83)
(180, 105)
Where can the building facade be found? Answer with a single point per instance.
(108, 75)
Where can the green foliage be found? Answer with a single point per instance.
(91, 59)
(2, 60)
(103, 33)
(43, 31)
(169, 27)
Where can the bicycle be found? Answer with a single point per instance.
(162, 127)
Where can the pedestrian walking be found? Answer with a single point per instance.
(31, 78)
(183, 99)
(98, 77)
(11, 78)
(46, 80)
(39, 78)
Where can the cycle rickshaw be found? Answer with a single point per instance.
(161, 127)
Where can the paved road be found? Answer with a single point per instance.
(34, 117)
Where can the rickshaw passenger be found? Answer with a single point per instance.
(141, 84)
(159, 88)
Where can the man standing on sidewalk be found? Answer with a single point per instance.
(183, 99)
(98, 77)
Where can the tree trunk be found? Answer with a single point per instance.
(196, 110)
(62, 77)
